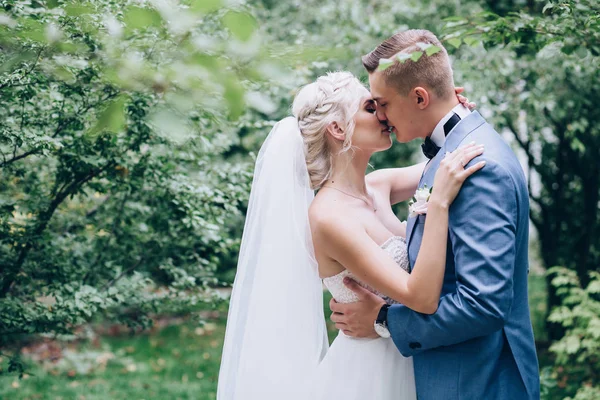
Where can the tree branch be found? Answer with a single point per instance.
(94, 210)
(537, 200)
(17, 158)
(525, 145)
(116, 221)
(44, 219)
(537, 222)
(3, 157)
(61, 126)
(22, 114)
(122, 274)
(37, 59)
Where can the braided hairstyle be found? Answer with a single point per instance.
(334, 97)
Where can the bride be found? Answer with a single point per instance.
(276, 341)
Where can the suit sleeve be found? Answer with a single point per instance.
(483, 221)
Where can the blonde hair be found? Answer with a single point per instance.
(434, 71)
(334, 97)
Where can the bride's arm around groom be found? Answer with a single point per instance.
(482, 232)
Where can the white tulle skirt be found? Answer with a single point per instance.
(360, 369)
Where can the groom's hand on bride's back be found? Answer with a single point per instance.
(357, 319)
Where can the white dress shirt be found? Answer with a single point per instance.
(438, 137)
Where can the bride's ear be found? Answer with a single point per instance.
(336, 131)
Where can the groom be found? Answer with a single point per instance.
(479, 344)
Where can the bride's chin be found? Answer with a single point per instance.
(384, 148)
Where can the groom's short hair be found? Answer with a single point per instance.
(434, 72)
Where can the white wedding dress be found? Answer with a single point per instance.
(361, 369)
(276, 344)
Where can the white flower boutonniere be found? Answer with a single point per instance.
(418, 204)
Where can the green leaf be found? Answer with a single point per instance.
(75, 10)
(209, 62)
(234, 95)
(594, 286)
(577, 146)
(416, 55)
(242, 25)
(63, 73)
(112, 118)
(402, 57)
(384, 63)
(423, 46)
(471, 41)
(34, 30)
(205, 6)
(547, 7)
(140, 18)
(454, 19)
(572, 344)
(171, 126)
(432, 50)
(581, 52)
(455, 42)
(594, 328)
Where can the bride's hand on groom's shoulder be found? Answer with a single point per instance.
(463, 100)
(357, 319)
(453, 172)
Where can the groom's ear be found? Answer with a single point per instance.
(336, 131)
(420, 97)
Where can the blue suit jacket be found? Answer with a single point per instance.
(479, 344)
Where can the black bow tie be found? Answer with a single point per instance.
(430, 149)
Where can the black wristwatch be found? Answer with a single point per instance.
(381, 322)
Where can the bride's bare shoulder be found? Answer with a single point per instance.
(327, 214)
(321, 209)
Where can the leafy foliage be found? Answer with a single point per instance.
(577, 365)
(538, 77)
(114, 196)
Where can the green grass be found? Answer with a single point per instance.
(179, 361)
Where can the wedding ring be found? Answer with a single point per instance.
(462, 163)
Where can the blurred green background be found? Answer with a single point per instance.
(128, 134)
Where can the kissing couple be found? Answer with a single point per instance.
(434, 308)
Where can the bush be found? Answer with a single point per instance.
(115, 199)
(576, 370)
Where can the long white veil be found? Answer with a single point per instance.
(276, 334)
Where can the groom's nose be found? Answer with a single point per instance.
(381, 116)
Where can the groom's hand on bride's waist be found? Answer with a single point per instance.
(357, 319)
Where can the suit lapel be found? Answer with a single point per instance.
(462, 130)
(432, 165)
(456, 137)
(458, 134)
(410, 227)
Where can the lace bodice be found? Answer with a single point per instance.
(394, 246)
